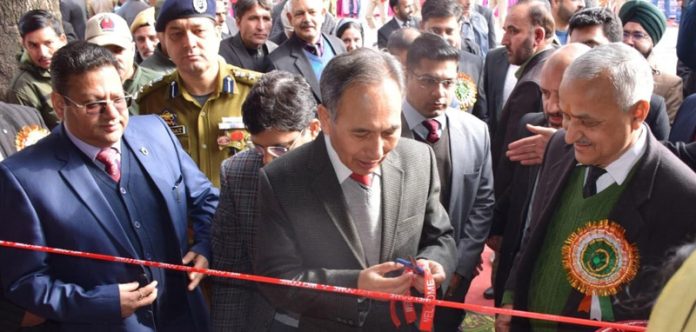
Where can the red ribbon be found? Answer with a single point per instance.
(428, 312)
(327, 288)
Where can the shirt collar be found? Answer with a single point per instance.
(89, 150)
(620, 168)
(342, 171)
(414, 120)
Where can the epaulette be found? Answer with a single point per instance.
(155, 85)
(244, 76)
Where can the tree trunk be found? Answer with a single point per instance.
(10, 42)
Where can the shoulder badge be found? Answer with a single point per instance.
(155, 85)
(244, 76)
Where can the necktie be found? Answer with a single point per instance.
(432, 125)
(112, 161)
(365, 180)
(590, 187)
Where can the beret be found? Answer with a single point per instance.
(176, 9)
(145, 17)
(647, 15)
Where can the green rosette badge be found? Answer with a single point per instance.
(598, 259)
(465, 91)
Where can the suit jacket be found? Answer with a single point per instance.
(510, 213)
(235, 53)
(290, 57)
(471, 194)
(472, 65)
(52, 199)
(306, 233)
(684, 127)
(385, 31)
(654, 218)
(232, 301)
(495, 71)
(657, 119)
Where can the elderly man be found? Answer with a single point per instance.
(144, 34)
(111, 31)
(250, 47)
(462, 150)
(202, 100)
(643, 27)
(116, 188)
(279, 114)
(42, 35)
(367, 198)
(604, 212)
(308, 50)
(400, 41)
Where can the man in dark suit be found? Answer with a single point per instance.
(462, 150)
(249, 49)
(308, 50)
(528, 42)
(510, 216)
(603, 190)
(341, 209)
(101, 184)
(499, 79)
(403, 18)
(442, 17)
(278, 123)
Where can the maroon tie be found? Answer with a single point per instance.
(365, 180)
(432, 125)
(112, 161)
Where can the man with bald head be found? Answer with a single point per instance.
(600, 218)
(509, 220)
(308, 50)
(399, 42)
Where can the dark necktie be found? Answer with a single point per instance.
(590, 187)
(432, 125)
(112, 162)
(314, 49)
(365, 180)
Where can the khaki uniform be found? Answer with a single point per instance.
(211, 132)
(141, 77)
(31, 86)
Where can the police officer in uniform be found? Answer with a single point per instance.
(201, 100)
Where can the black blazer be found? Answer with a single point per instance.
(385, 31)
(234, 52)
(656, 209)
(495, 70)
(290, 57)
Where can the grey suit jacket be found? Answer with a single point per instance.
(234, 52)
(305, 232)
(290, 57)
(471, 197)
(488, 15)
(495, 70)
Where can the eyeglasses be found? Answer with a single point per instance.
(429, 82)
(636, 35)
(277, 150)
(98, 106)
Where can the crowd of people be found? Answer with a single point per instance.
(274, 139)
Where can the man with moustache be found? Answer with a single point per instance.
(144, 34)
(42, 35)
(104, 183)
(603, 214)
(250, 47)
(308, 50)
(201, 101)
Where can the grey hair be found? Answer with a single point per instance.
(362, 66)
(625, 68)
